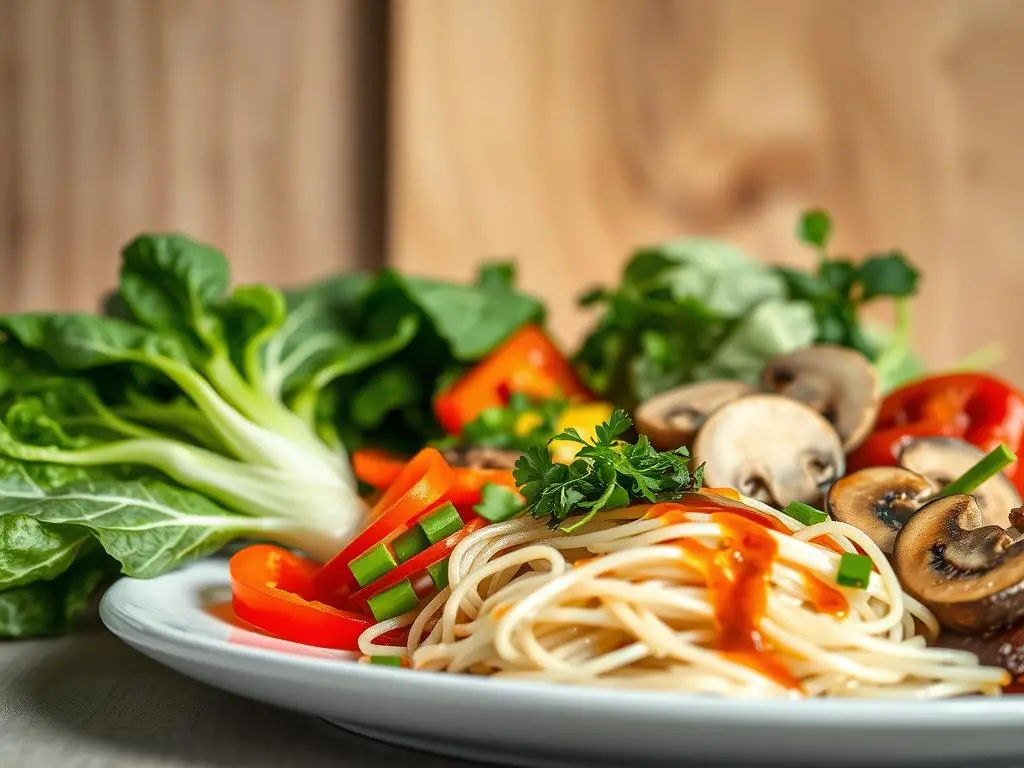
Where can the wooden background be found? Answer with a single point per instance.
(567, 132)
(560, 132)
(257, 125)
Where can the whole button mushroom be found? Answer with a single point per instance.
(671, 419)
(771, 448)
(969, 574)
(839, 383)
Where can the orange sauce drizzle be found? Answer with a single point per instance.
(737, 576)
(828, 543)
(825, 598)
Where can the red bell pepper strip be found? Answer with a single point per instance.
(380, 469)
(528, 363)
(268, 590)
(978, 408)
(377, 468)
(416, 565)
(420, 484)
(468, 486)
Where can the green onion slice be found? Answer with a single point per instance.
(410, 543)
(387, 661)
(392, 602)
(805, 513)
(441, 523)
(854, 571)
(372, 564)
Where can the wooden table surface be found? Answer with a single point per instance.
(89, 701)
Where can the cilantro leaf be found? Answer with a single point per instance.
(607, 473)
(839, 287)
(887, 274)
(499, 503)
(839, 275)
(814, 228)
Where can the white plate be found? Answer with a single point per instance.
(179, 619)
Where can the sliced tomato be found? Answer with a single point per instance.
(268, 590)
(418, 564)
(422, 482)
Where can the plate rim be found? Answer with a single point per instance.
(964, 712)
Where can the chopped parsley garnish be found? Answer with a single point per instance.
(607, 473)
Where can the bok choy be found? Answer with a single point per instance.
(192, 413)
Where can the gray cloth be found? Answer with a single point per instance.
(89, 701)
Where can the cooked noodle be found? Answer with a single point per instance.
(629, 601)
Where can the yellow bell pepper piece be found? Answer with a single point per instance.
(585, 417)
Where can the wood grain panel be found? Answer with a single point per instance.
(253, 124)
(568, 132)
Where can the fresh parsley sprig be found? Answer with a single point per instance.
(607, 473)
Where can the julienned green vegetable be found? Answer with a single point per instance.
(695, 309)
(192, 414)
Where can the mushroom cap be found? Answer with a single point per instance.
(879, 501)
(971, 575)
(481, 457)
(839, 383)
(771, 448)
(671, 418)
(943, 459)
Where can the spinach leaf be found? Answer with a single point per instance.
(471, 319)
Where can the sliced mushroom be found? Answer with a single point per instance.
(481, 457)
(879, 501)
(671, 419)
(839, 383)
(771, 448)
(943, 459)
(970, 574)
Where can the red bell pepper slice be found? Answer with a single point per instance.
(976, 407)
(529, 363)
(380, 469)
(268, 590)
(420, 484)
(418, 564)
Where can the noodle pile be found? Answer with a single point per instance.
(624, 602)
